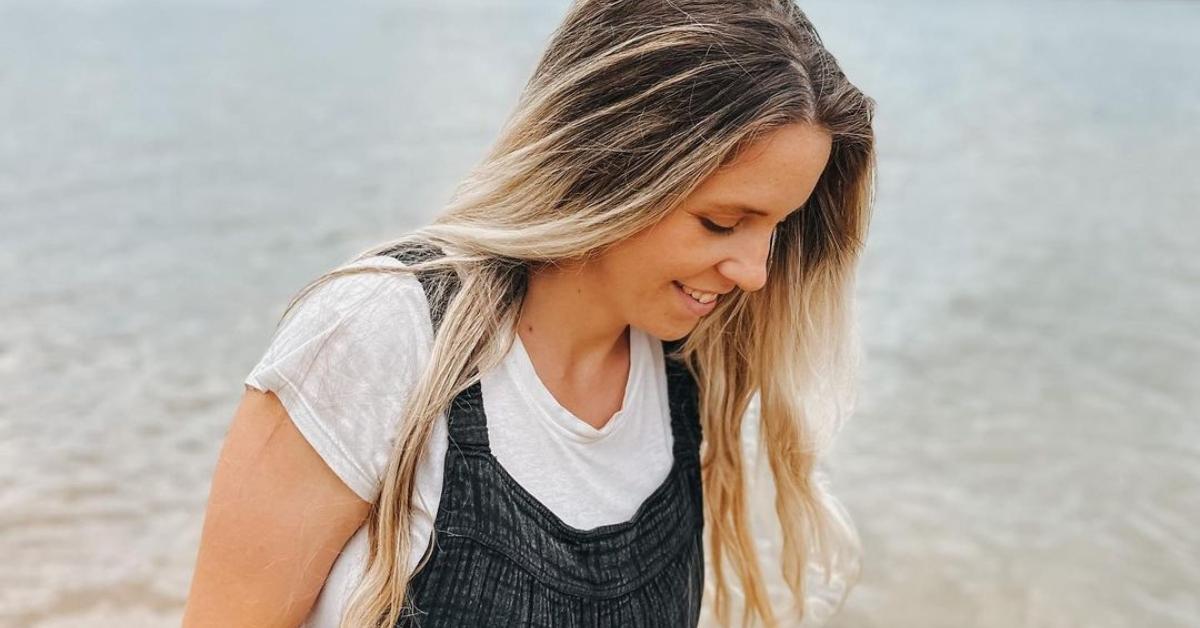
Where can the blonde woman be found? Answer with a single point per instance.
(527, 413)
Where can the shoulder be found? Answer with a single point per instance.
(363, 306)
(351, 334)
(370, 281)
(363, 301)
(344, 361)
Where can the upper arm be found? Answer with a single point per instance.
(277, 517)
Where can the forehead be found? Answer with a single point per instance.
(773, 176)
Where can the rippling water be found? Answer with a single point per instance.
(1026, 450)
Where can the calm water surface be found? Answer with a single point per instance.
(1027, 447)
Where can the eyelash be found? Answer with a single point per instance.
(715, 228)
(719, 230)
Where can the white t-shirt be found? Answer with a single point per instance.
(345, 361)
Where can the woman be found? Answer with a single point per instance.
(506, 417)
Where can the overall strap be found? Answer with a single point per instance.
(439, 299)
(465, 418)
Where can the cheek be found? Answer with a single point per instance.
(670, 261)
(675, 247)
(645, 265)
(683, 259)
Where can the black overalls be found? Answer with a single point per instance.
(502, 558)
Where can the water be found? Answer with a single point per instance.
(1026, 450)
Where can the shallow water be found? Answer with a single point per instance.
(1026, 450)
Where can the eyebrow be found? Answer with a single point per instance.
(747, 209)
(744, 208)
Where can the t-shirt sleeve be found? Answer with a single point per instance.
(344, 362)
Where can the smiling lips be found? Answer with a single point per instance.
(699, 295)
(697, 302)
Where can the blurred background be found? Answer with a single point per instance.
(1026, 451)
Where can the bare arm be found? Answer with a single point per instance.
(277, 518)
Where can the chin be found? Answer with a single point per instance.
(668, 332)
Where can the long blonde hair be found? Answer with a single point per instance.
(631, 106)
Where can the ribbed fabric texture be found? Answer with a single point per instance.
(502, 558)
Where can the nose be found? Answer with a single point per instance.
(747, 264)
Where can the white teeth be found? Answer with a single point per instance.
(703, 297)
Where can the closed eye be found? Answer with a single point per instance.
(715, 228)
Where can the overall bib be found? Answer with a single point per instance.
(502, 558)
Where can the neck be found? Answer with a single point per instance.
(564, 324)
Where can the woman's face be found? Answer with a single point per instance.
(717, 240)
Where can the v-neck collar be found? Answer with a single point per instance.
(534, 389)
